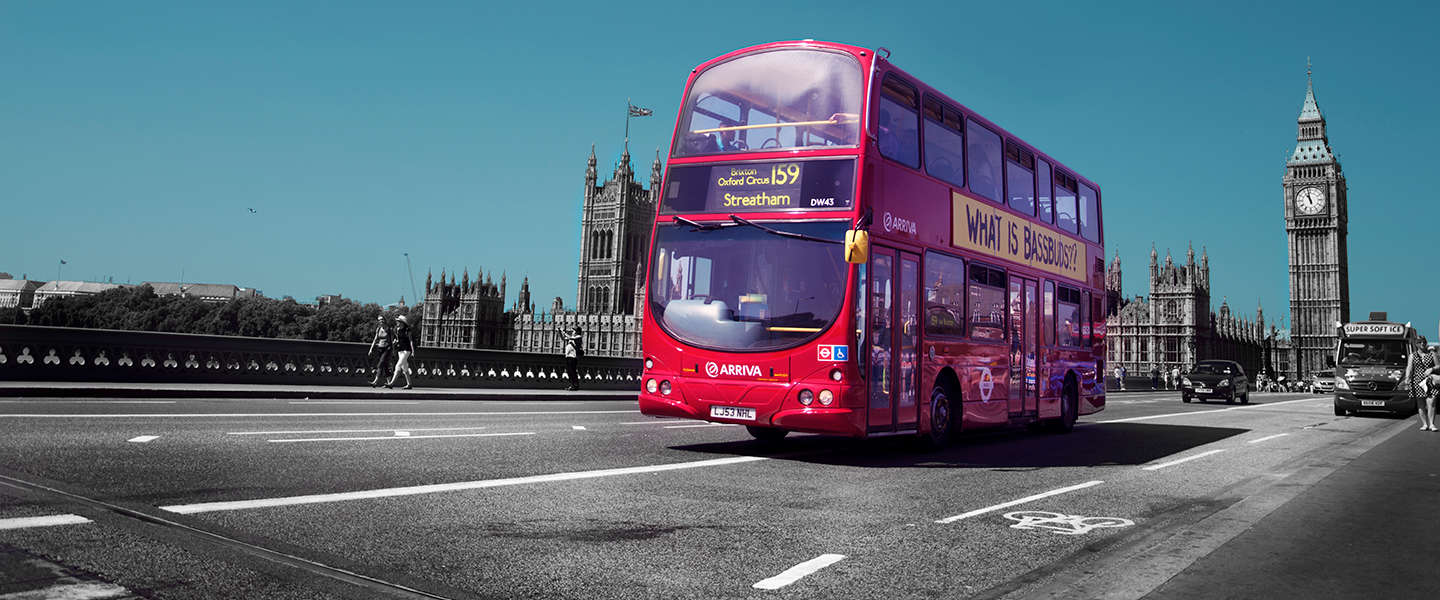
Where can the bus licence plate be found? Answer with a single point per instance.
(1372, 403)
(732, 412)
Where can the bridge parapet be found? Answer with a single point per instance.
(31, 353)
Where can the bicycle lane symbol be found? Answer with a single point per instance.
(1063, 524)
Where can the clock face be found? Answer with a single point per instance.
(1310, 201)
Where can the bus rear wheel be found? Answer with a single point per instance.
(942, 418)
(766, 434)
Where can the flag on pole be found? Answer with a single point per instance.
(636, 111)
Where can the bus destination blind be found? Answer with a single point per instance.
(758, 187)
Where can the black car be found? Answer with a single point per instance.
(1216, 379)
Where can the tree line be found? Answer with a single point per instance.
(140, 309)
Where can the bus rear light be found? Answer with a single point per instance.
(826, 397)
(836, 375)
(806, 397)
(651, 386)
(665, 387)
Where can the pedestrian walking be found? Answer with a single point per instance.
(574, 351)
(1154, 377)
(1421, 375)
(1124, 372)
(404, 349)
(379, 350)
(1175, 377)
(1119, 383)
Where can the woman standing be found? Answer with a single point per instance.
(380, 350)
(574, 349)
(404, 348)
(1419, 368)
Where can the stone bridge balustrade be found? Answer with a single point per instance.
(30, 353)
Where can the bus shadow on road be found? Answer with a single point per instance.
(1086, 446)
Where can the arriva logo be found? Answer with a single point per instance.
(715, 370)
(894, 223)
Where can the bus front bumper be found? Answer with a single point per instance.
(822, 420)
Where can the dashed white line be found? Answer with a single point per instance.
(451, 487)
(350, 431)
(1039, 496)
(324, 414)
(1182, 460)
(578, 427)
(399, 435)
(51, 401)
(90, 590)
(352, 402)
(45, 521)
(794, 573)
(142, 439)
(651, 422)
(1268, 437)
(1208, 412)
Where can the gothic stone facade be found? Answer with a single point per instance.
(1316, 224)
(1174, 326)
(616, 218)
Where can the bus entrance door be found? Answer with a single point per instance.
(894, 340)
(1024, 327)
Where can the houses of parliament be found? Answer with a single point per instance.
(1174, 326)
(614, 237)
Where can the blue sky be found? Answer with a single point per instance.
(136, 136)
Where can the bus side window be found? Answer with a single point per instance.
(1020, 178)
(944, 143)
(1067, 315)
(987, 303)
(1044, 209)
(944, 295)
(1065, 213)
(1089, 214)
(897, 126)
(1049, 313)
(984, 151)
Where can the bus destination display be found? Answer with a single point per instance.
(756, 187)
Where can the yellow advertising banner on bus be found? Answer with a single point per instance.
(982, 227)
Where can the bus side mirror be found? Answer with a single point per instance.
(857, 246)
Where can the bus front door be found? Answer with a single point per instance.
(894, 340)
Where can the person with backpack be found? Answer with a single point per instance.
(404, 349)
(380, 350)
(574, 351)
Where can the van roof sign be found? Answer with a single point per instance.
(1385, 329)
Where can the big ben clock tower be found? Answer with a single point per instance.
(1316, 225)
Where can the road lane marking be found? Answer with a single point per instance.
(1268, 437)
(794, 573)
(353, 402)
(704, 425)
(89, 401)
(335, 414)
(578, 427)
(1182, 460)
(90, 590)
(981, 511)
(350, 430)
(45, 521)
(398, 435)
(1207, 412)
(653, 422)
(142, 439)
(205, 507)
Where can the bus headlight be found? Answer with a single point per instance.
(665, 387)
(649, 363)
(836, 375)
(651, 386)
(806, 397)
(826, 397)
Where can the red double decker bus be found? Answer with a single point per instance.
(841, 249)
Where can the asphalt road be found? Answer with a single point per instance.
(208, 498)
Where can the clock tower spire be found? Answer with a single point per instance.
(1316, 224)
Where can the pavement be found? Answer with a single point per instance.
(1278, 499)
(89, 389)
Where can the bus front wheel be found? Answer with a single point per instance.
(766, 434)
(1069, 408)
